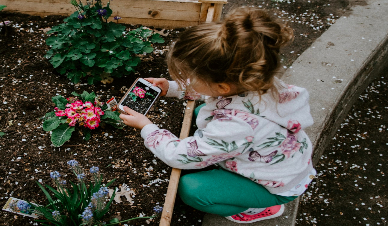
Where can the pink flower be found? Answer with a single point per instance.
(59, 112)
(290, 145)
(293, 126)
(93, 123)
(89, 114)
(88, 104)
(232, 165)
(71, 121)
(98, 111)
(71, 113)
(139, 92)
(78, 105)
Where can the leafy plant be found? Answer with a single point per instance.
(86, 45)
(2, 134)
(84, 110)
(75, 204)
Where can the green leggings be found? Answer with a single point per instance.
(221, 192)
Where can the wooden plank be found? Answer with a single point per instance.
(217, 12)
(210, 14)
(172, 189)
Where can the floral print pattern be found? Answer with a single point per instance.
(288, 95)
(290, 145)
(217, 158)
(232, 165)
(155, 138)
(272, 184)
(294, 126)
(226, 115)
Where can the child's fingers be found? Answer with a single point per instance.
(130, 111)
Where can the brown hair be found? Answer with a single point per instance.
(242, 50)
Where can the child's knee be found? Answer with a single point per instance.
(189, 189)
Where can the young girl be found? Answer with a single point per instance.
(251, 125)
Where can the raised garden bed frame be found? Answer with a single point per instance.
(158, 13)
(161, 14)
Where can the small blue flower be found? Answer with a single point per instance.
(55, 175)
(23, 206)
(94, 169)
(101, 12)
(80, 16)
(63, 182)
(87, 215)
(117, 18)
(55, 213)
(81, 176)
(158, 209)
(103, 191)
(72, 163)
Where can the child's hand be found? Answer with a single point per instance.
(162, 83)
(134, 119)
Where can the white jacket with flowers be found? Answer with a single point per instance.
(256, 138)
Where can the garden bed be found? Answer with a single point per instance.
(27, 84)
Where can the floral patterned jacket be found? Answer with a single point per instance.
(261, 139)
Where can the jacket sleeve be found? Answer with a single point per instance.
(175, 91)
(219, 141)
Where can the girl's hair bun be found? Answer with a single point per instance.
(243, 22)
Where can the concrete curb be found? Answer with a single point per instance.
(335, 70)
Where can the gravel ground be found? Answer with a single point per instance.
(351, 188)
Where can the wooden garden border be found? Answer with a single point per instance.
(158, 13)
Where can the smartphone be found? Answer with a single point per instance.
(140, 97)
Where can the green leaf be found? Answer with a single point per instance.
(75, 94)
(49, 115)
(88, 134)
(2, 134)
(2, 7)
(112, 115)
(51, 123)
(133, 62)
(57, 60)
(61, 134)
(148, 49)
(115, 29)
(155, 38)
(74, 54)
(55, 42)
(123, 55)
(110, 47)
(60, 101)
(145, 33)
(88, 96)
(249, 106)
(88, 59)
(112, 64)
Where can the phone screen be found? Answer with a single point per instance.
(141, 97)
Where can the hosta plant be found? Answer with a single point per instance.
(74, 204)
(86, 45)
(83, 111)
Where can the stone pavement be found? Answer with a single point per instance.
(335, 69)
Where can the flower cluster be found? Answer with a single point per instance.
(23, 206)
(84, 113)
(139, 92)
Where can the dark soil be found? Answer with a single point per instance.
(28, 81)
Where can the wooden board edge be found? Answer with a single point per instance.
(172, 189)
